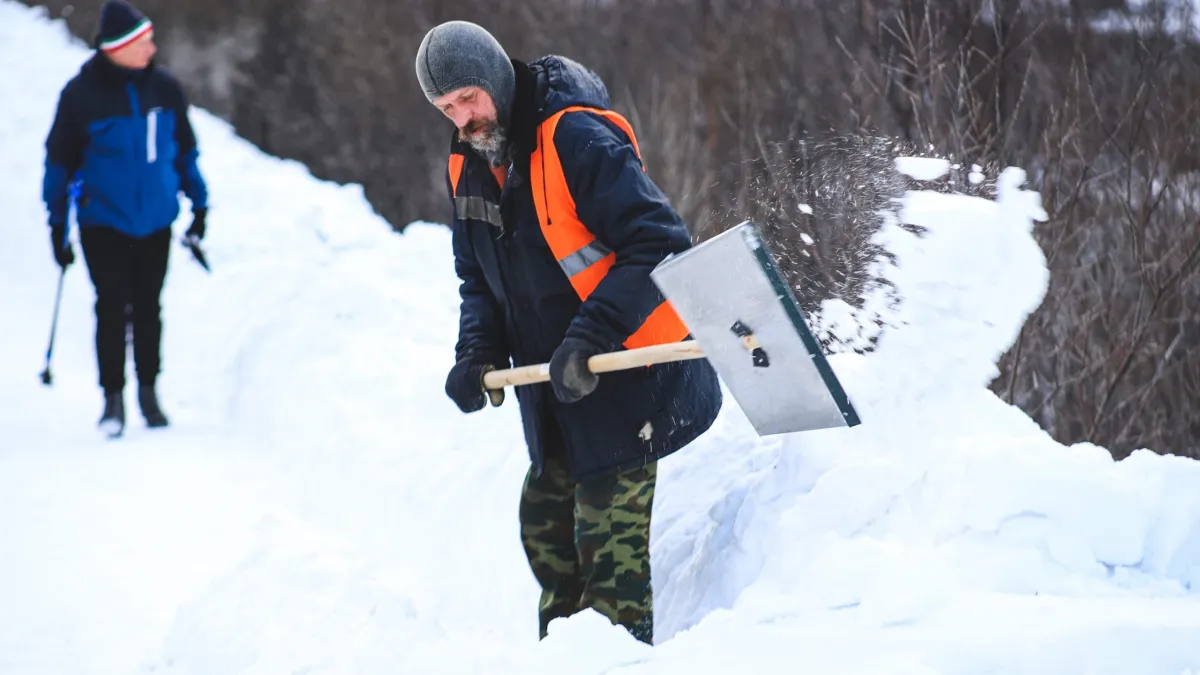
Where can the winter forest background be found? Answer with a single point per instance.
(751, 108)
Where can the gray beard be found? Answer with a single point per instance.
(493, 146)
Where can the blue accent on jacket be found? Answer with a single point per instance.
(124, 139)
(518, 304)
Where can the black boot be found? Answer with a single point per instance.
(112, 422)
(149, 404)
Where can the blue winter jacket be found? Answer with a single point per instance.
(122, 140)
(518, 305)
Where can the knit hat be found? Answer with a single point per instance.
(120, 24)
(459, 54)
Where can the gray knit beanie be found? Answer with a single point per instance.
(460, 54)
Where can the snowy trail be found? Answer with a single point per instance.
(320, 506)
(303, 379)
(101, 550)
(980, 634)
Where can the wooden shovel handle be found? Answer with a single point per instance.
(601, 363)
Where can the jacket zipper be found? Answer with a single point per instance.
(151, 135)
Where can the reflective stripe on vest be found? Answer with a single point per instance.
(476, 208)
(584, 259)
(471, 208)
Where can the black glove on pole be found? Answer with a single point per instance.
(464, 385)
(64, 255)
(191, 238)
(199, 220)
(569, 372)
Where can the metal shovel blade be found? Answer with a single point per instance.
(737, 305)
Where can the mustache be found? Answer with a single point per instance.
(475, 126)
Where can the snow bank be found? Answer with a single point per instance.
(319, 506)
(945, 492)
(923, 168)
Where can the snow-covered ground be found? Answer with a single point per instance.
(320, 506)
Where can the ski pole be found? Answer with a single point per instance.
(46, 378)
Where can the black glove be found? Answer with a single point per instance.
(197, 228)
(64, 255)
(464, 384)
(569, 372)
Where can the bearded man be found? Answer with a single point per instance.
(556, 226)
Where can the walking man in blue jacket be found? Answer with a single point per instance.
(121, 138)
(556, 227)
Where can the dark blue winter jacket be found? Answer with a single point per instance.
(122, 139)
(518, 304)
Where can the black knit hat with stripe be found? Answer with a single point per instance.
(120, 24)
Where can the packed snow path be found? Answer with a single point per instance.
(320, 506)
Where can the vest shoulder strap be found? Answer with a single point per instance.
(610, 115)
(551, 197)
(581, 256)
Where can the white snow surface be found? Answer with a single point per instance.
(923, 168)
(319, 506)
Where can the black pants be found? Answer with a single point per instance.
(128, 274)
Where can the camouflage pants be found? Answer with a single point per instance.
(589, 545)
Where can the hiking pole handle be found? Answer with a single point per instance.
(601, 363)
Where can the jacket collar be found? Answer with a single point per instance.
(525, 117)
(110, 72)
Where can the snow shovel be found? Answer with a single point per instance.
(746, 322)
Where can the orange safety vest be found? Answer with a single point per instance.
(584, 259)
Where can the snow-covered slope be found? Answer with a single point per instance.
(319, 506)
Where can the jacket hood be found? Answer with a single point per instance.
(544, 87)
(562, 83)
